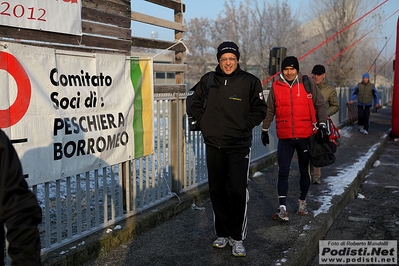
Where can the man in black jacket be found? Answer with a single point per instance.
(19, 210)
(226, 115)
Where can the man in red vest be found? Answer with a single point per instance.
(288, 102)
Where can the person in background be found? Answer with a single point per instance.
(234, 106)
(288, 102)
(331, 98)
(365, 92)
(19, 210)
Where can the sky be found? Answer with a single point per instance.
(211, 8)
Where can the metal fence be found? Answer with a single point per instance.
(80, 205)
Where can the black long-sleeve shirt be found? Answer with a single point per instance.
(19, 210)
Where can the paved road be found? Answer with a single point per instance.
(186, 239)
(374, 213)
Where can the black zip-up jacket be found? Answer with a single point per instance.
(234, 106)
(19, 209)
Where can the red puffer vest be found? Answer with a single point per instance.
(293, 119)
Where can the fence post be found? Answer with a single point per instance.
(176, 144)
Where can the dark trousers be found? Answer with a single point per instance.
(285, 152)
(228, 171)
(363, 116)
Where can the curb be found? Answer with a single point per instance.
(302, 255)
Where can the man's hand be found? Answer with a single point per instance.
(322, 133)
(265, 137)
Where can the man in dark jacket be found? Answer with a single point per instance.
(19, 210)
(234, 106)
(332, 104)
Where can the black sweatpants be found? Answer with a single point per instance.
(363, 113)
(228, 171)
(285, 152)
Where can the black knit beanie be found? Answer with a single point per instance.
(228, 47)
(318, 70)
(291, 61)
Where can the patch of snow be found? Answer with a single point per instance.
(337, 184)
(360, 196)
(258, 174)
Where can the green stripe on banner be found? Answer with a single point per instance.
(136, 78)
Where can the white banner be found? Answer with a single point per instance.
(63, 16)
(65, 112)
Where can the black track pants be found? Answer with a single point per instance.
(285, 152)
(228, 171)
(363, 113)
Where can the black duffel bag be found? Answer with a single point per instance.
(321, 153)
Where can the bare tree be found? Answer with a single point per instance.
(245, 34)
(255, 26)
(201, 50)
(233, 24)
(274, 26)
(334, 16)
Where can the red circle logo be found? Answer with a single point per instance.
(17, 110)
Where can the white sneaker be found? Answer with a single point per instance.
(302, 209)
(281, 215)
(238, 248)
(220, 242)
(361, 129)
(365, 132)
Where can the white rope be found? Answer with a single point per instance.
(170, 191)
(176, 43)
(81, 40)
